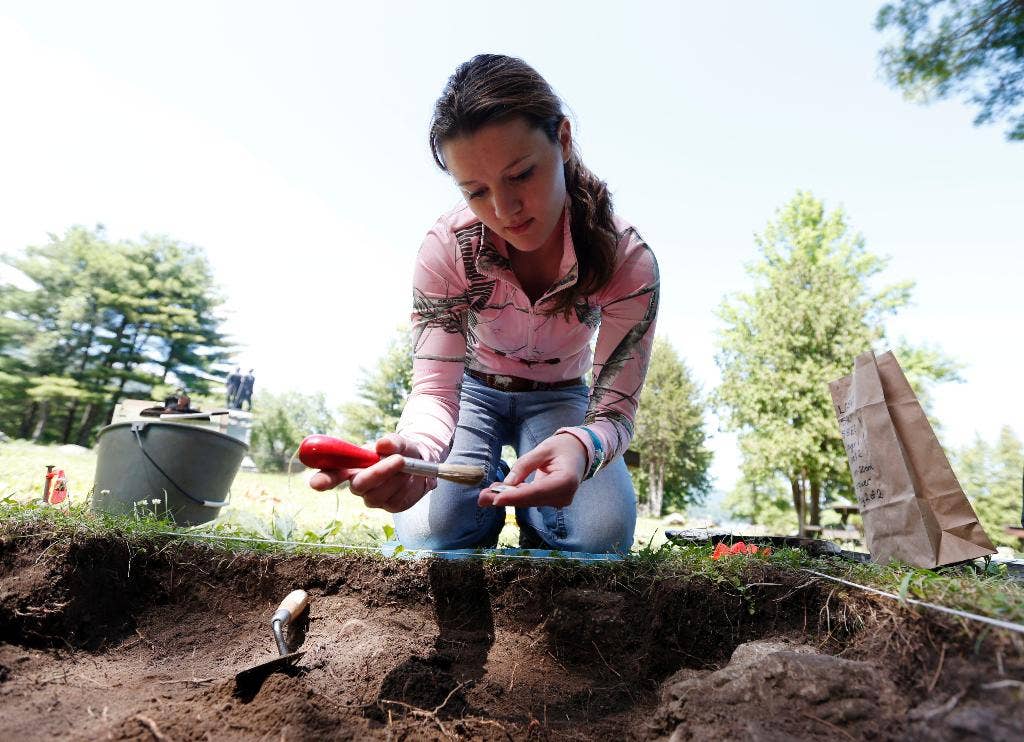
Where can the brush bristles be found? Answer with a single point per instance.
(461, 473)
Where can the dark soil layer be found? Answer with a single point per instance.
(105, 639)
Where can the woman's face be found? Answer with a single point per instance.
(513, 179)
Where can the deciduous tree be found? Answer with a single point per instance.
(813, 308)
(382, 390)
(990, 474)
(952, 47)
(283, 421)
(768, 503)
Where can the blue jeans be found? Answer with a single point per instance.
(601, 517)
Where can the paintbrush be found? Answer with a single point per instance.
(325, 452)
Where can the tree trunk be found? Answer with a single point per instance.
(798, 503)
(44, 414)
(27, 420)
(657, 490)
(815, 502)
(115, 344)
(69, 421)
(115, 348)
(167, 364)
(85, 424)
(86, 346)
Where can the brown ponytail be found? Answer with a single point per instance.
(491, 88)
(593, 232)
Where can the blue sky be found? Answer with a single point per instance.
(291, 144)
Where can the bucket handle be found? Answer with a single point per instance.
(136, 427)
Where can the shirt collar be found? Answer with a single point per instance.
(492, 257)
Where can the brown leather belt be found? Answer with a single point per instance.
(505, 383)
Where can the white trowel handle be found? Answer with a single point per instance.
(293, 604)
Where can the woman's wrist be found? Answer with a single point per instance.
(592, 446)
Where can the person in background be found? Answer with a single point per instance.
(508, 291)
(174, 404)
(234, 380)
(245, 387)
(182, 404)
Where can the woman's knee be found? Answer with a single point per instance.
(602, 517)
(596, 528)
(434, 527)
(604, 536)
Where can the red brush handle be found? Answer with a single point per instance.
(325, 452)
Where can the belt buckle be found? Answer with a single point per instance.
(505, 383)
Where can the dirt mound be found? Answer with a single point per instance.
(771, 688)
(106, 639)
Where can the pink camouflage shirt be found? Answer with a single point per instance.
(470, 312)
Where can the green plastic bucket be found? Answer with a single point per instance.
(154, 466)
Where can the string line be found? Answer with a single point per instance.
(1009, 626)
(934, 606)
(436, 552)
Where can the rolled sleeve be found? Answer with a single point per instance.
(439, 345)
(629, 309)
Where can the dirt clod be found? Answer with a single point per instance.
(769, 688)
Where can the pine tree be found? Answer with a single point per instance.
(670, 436)
(102, 320)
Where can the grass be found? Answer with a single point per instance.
(268, 505)
(271, 508)
(263, 505)
(986, 590)
(983, 590)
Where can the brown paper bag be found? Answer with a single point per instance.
(912, 504)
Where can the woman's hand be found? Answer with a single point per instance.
(560, 462)
(382, 485)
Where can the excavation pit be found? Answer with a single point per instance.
(103, 637)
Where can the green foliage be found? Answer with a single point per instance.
(811, 312)
(264, 505)
(970, 47)
(991, 476)
(985, 591)
(767, 503)
(284, 420)
(383, 391)
(924, 366)
(244, 531)
(102, 320)
(670, 437)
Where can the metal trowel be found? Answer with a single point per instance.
(291, 607)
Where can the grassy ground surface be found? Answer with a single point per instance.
(980, 588)
(271, 505)
(267, 508)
